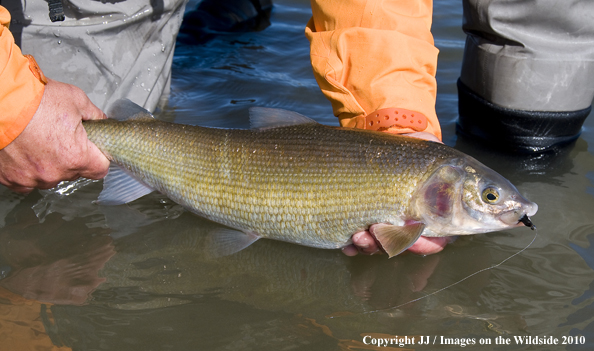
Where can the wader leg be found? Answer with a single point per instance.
(110, 49)
(527, 79)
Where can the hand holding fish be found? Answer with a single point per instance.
(54, 145)
(364, 243)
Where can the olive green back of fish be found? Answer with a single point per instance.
(309, 184)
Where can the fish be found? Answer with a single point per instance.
(290, 178)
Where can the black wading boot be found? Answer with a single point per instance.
(517, 131)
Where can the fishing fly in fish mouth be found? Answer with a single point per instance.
(290, 178)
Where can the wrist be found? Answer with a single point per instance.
(394, 120)
(399, 118)
(20, 94)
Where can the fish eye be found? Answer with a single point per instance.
(490, 195)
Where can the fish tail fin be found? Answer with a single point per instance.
(124, 109)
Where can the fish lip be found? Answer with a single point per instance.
(526, 211)
(532, 210)
(527, 222)
(518, 216)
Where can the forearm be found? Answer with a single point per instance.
(369, 56)
(21, 89)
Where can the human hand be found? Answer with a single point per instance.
(365, 243)
(54, 145)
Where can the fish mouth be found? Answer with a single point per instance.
(527, 222)
(520, 216)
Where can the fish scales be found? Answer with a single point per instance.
(309, 184)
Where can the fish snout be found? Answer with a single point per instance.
(521, 216)
(531, 209)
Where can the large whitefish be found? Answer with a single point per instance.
(290, 178)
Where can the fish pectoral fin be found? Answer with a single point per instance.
(265, 118)
(227, 241)
(119, 188)
(395, 239)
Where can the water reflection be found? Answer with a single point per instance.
(51, 264)
(165, 269)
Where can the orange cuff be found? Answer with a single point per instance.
(370, 55)
(22, 85)
(386, 118)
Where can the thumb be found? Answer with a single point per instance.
(93, 112)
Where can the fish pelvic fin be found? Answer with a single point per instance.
(395, 239)
(124, 110)
(119, 187)
(266, 118)
(226, 241)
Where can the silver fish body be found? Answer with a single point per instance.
(310, 184)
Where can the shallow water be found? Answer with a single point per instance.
(137, 277)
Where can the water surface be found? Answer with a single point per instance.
(138, 277)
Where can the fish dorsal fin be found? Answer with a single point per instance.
(265, 118)
(395, 239)
(124, 109)
(119, 188)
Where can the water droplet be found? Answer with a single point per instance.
(59, 42)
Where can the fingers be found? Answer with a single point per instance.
(428, 246)
(350, 250)
(92, 112)
(364, 243)
(97, 166)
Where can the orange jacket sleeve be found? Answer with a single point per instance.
(20, 90)
(369, 55)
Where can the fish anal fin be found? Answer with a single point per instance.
(395, 239)
(265, 118)
(227, 241)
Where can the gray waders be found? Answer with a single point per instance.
(527, 79)
(110, 49)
